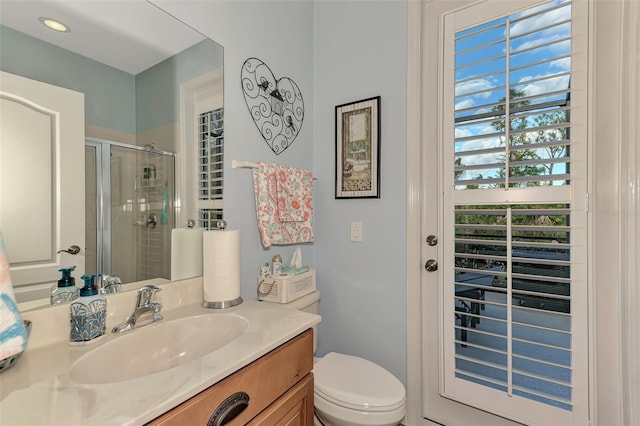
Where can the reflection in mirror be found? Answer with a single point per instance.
(129, 210)
(152, 91)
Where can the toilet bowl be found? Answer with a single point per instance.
(353, 391)
(349, 390)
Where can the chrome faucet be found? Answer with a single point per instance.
(109, 284)
(144, 307)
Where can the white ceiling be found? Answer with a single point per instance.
(131, 35)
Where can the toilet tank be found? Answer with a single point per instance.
(307, 303)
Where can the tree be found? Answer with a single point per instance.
(551, 135)
(517, 124)
(525, 146)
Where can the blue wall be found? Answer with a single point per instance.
(158, 88)
(336, 51)
(359, 52)
(280, 34)
(114, 99)
(109, 93)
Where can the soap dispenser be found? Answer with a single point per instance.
(88, 314)
(66, 290)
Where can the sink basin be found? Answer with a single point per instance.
(156, 348)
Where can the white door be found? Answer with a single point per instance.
(510, 316)
(41, 181)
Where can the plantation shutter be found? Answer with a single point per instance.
(210, 160)
(514, 309)
(529, 89)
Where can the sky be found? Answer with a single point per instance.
(539, 62)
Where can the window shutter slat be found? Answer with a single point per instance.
(512, 278)
(211, 167)
(537, 101)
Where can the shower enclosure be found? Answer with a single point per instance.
(129, 210)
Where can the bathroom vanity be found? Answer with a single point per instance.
(176, 371)
(278, 388)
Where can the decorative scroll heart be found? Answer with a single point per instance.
(276, 106)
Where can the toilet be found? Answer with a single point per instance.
(349, 390)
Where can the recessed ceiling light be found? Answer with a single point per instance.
(55, 25)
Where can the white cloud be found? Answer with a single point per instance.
(541, 20)
(482, 110)
(471, 86)
(563, 64)
(484, 159)
(480, 159)
(462, 133)
(465, 103)
(479, 144)
(474, 129)
(540, 40)
(544, 86)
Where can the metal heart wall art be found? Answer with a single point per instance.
(275, 105)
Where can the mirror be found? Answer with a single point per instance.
(137, 66)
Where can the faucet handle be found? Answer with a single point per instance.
(145, 295)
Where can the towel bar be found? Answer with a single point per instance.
(235, 164)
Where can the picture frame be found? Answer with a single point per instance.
(357, 131)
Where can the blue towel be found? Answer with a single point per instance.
(13, 334)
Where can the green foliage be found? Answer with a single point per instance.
(526, 146)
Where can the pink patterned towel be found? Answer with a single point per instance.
(283, 204)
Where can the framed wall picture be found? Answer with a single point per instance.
(358, 149)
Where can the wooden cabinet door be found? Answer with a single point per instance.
(294, 408)
(264, 381)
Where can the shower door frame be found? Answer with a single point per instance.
(103, 194)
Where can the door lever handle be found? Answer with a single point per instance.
(74, 249)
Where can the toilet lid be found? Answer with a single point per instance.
(357, 383)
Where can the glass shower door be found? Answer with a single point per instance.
(134, 211)
(154, 215)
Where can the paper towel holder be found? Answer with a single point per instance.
(221, 225)
(222, 304)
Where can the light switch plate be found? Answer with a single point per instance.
(356, 231)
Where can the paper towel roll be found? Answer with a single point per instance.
(186, 253)
(221, 268)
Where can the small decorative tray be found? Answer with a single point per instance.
(7, 363)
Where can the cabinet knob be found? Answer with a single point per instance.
(229, 409)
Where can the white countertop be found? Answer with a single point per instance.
(39, 391)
